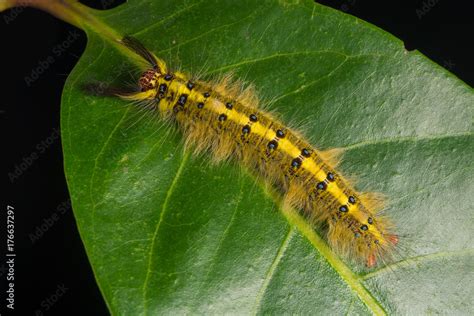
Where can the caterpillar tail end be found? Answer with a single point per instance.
(393, 239)
(371, 261)
(372, 258)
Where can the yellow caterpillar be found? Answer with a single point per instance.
(222, 119)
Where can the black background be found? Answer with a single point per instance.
(29, 114)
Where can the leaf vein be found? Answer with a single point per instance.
(409, 262)
(158, 225)
(169, 17)
(405, 139)
(271, 270)
(223, 237)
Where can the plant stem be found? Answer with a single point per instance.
(79, 15)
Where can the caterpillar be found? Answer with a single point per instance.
(225, 120)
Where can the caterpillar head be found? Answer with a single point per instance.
(149, 80)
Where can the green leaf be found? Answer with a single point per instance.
(168, 233)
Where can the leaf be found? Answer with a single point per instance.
(168, 233)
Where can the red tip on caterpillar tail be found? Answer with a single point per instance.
(371, 261)
(372, 258)
(393, 239)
